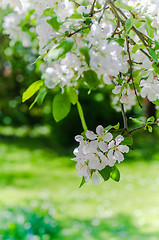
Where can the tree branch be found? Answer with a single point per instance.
(124, 118)
(131, 71)
(103, 10)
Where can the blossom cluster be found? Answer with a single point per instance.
(96, 151)
(87, 43)
(107, 57)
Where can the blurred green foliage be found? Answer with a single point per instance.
(16, 74)
(29, 223)
(39, 186)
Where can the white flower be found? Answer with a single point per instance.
(116, 150)
(95, 154)
(95, 179)
(150, 88)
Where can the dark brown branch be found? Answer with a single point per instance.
(71, 34)
(143, 126)
(124, 118)
(131, 71)
(77, 4)
(103, 10)
(92, 8)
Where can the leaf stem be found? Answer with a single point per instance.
(81, 115)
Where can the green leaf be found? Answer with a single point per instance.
(156, 67)
(151, 119)
(149, 28)
(85, 52)
(115, 174)
(39, 98)
(82, 182)
(119, 4)
(91, 79)
(128, 25)
(32, 89)
(116, 126)
(156, 102)
(75, 16)
(153, 54)
(72, 94)
(136, 120)
(60, 49)
(120, 41)
(137, 47)
(54, 23)
(137, 23)
(150, 129)
(48, 12)
(156, 45)
(110, 127)
(39, 58)
(127, 141)
(137, 76)
(105, 173)
(61, 106)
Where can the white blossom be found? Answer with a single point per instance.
(96, 151)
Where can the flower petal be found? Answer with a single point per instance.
(119, 156)
(95, 179)
(110, 154)
(78, 138)
(119, 139)
(99, 130)
(123, 148)
(90, 135)
(111, 144)
(103, 146)
(107, 137)
(111, 161)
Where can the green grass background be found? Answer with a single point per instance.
(32, 166)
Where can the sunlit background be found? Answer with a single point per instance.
(40, 197)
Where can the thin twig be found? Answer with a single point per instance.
(77, 4)
(71, 34)
(92, 8)
(131, 71)
(124, 118)
(141, 36)
(103, 10)
(143, 126)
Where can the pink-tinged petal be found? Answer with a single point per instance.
(78, 138)
(110, 154)
(103, 146)
(86, 171)
(80, 173)
(144, 92)
(93, 145)
(119, 156)
(119, 139)
(76, 151)
(99, 130)
(108, 137)
(102, 157)
(117, 90)
(95, 179)
(152, 96)
(75, 159)
(101, 166)
(111, 161)
(111, 144)
(123, 148)
(93, 164)
(90, 135)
